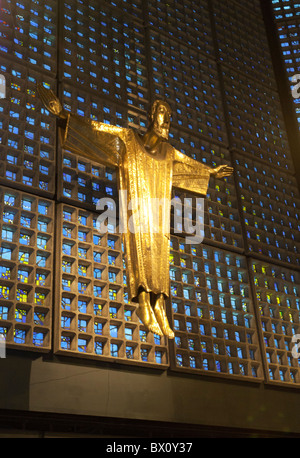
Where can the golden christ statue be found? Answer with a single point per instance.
(148, 167)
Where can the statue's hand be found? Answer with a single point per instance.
(222, 171)
(51, 102)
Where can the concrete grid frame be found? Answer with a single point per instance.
(108, 64)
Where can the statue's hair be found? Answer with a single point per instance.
(154, 106)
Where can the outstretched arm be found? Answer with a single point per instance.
(194, 176)
(94, 140)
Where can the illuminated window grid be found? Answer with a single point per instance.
(255, 120)
(93, 317)
(213, 317)
(133, 8)
(222, 220)
(28, 33)
(27, 132)
(288, 36)
(109, 57)
(92, 107)
(288, 33)
(221, 224)
(285, 10)
(182, 22)
(26, 229)
(270, 205)
(81, 181)
(278, 300)
(190, 81)
(85, 182)
(234, 28)
(208, 152)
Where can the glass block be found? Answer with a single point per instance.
(27, 131)
(83, 182)
(215, 328)
(247, 100)
(234, 34)
(177, 20)
(25, 281)
(30, 39)
(101, 326)
(270, 204)
(90, 60)
(278, 301)
(189, 80)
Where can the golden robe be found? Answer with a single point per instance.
(147, 177)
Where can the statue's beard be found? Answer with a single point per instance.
(161, 131)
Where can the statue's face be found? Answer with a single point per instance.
(161, 122)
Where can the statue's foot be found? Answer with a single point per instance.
(146, 314)
(159, 311)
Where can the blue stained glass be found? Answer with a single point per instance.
(8, 217)
(43, 208)
(65, 342)
(24, 257)
(144, 354)
(113, 330)
(65, 322)
(129, 352)
(66, 303)
(3, 313)
(82, 306)
(38, 339)
(82, 325)
(98, 348)
(25, 221)
(179, 360)
(5, 253)
(3, 331)
(19, 336)
(98, 328)
(42, 226)
(98, 309)
(97, 291)
(5, 272)
(158, 357)
(23, 276)
(97, 256)
(39, 318)
(27, 180)
(114, 349)
(128, 333)
(41, 260)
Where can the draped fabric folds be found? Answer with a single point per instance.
(145, 185)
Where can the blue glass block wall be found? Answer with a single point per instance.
(233, 312)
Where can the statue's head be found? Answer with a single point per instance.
(160, 118)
